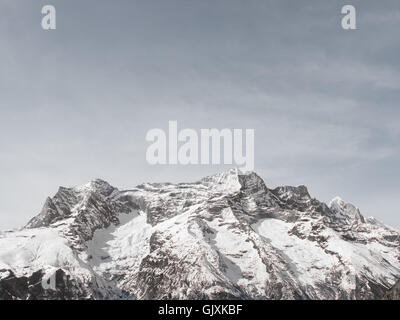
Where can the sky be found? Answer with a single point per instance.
(76, 102)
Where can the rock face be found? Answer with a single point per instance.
(393, 293)
(227, 236)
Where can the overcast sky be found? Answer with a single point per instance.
(77, 102)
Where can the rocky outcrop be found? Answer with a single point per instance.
(393, 293)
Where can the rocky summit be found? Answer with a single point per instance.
(227, 236)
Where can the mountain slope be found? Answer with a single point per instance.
(225, 236)
(393, 293)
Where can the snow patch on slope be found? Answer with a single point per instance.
(28, 250)
(306, 259)
(121, 246)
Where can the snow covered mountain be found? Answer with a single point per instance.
(225, 236)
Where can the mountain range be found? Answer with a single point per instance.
(226, 236)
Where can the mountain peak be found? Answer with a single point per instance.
(224, 181)
(346, 210)
(96, 185)
(68, 202)
(291, 193)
